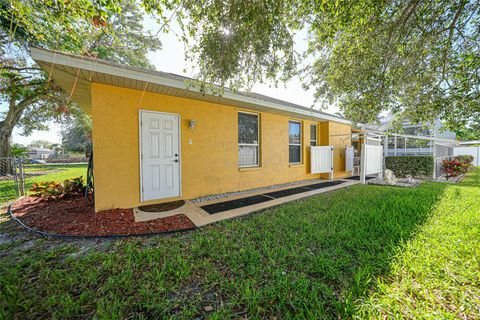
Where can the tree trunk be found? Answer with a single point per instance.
(5, 142)
(6, 167)
(12, 117)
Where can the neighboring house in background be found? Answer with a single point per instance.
(399, 146)
(39, 153)
(59, 153)
(156, 139)
(471, 148)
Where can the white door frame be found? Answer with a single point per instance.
(140, 111)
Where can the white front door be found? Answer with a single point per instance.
(160, 155)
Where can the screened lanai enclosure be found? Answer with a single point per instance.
(417, 145)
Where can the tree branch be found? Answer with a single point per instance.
(451, 32)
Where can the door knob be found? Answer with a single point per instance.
(176, 160)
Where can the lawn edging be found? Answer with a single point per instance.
(72, 237)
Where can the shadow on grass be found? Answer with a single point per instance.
(8, 191)
(472, 179)
(317, 257)
(310, 259)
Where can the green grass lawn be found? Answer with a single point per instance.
(60, 172)
(359, 252)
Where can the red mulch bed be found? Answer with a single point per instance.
(71, 216)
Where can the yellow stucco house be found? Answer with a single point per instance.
(155, 139)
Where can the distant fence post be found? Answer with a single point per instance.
(11, 173)
(21, 182)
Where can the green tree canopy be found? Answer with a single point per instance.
(98, 29)
(19, 150)
(40, 143)
(77, 135)
(417, 59)
(468, 133)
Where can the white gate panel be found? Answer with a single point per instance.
(349, 156)
(372, 161)
(321, 159)
(468, 151)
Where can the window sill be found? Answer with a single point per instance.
(249, 168)
(296, 165)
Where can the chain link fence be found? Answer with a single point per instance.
(17, 175)
(11, 179)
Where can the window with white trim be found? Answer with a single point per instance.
(248, 139)
(294, 142)
(313, 135)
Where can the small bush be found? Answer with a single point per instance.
(457, 166)
(47, 189)
(414, 166)
(73, 186)
(465, 159)
(453, 168)
(69, 187)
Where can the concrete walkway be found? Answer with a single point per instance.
(201, 218)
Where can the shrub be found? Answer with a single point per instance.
(73, 186)
(414, 166)
(453, 168)
(69, 187)
(465, 159)
(47, 189)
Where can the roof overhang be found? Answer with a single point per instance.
(75, 74)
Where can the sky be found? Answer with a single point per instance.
(171, 59)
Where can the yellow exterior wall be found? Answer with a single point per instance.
(208, 165)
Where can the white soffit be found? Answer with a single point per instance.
(75, 73)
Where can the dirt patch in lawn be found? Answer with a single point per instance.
(71, 216)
